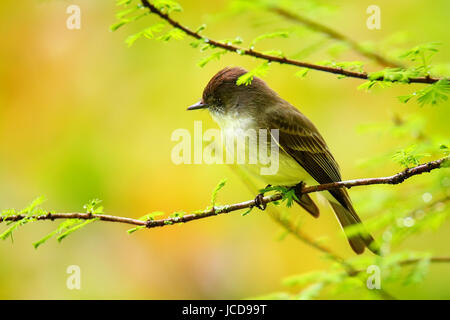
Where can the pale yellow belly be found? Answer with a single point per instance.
(289, 172)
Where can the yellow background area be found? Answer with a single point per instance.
(82, 116)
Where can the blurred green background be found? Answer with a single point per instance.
(82, 116)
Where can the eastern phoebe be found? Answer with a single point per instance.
(304, 156)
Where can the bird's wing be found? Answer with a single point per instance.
(300, 139)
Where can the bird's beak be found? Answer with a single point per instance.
(198, 105)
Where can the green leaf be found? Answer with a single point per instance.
(7, 213)
(311, 291)
(246, 79)
(247, 211)
(66, 224)
(33, 206)
(123, 2)
(418, 272)
(216, 190)
(148, 33)
(75, 228)
(125, 21)
(175, 33)
(277, 53)
(196, 43)
(302, 73)
(278, 34)
(312, 277)
(30, 213)
(435, 93)
(406, 98)
(445, 163)
(117, 25)
(148, 216)
(44, 239)
(93, 207)
(200, 28)
(396, 74)
(345, 65)
(124, 13)
(422, 53)
(409, 156)
(214, 56)
(367, 85)
(444, 149)
(288, 194)
(177, 214)
(132, 230)
(235, 41)
(167, 6)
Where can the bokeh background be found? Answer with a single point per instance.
(82, 116)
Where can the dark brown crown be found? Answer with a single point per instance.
(227, 75)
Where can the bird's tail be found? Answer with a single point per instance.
(360, 238)
(308, 204)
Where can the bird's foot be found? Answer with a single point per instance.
(259, 202)
(298, 189)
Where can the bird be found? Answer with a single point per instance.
(303, 155)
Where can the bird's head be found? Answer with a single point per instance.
(222, 95)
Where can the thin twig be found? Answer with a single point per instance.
(394, 179)
(271, 58)
(406, 263)
(302, 236)
(335, 35)
(432, 259)
(350, 270)
(429, 206)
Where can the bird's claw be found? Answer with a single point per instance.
(298, 188)
(259, 203)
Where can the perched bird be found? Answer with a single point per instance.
(304, 157)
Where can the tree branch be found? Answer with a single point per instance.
(407, 262)
(271, 58)
(349, 269)
(394, 179)
(334, 35)
(432, 259)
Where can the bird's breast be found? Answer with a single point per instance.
(241, 136)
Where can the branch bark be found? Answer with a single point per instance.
(394, 179)
(349, 269)
(335, 35)
(271, 58)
